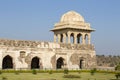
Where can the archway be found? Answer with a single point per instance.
(86, 38)
(35, 63)
(79, 38)
(60, 63)
(7, 62)
(72, 38)
(81, 64)
(61, 38)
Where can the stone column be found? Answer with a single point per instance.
(83, 38)
(75, 38)
(89, 36)
(55, 38)
(68, 37)
(40, 64)
(58, 38)
(64, 38)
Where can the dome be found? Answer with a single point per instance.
(72, 16)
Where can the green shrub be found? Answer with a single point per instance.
(79, 71)
(34, 71)
(117, 68)
(66, 71)
(117, 75)
(93, 71)
(4, 78)
(0, 71)
(71, 76)
(50, 72)
(17, 72)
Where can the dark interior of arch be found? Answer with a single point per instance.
(35, 63)
(61, 39)
(60, 63)
(81, 64)
(7, 62)
(79, 38)
(72, 38)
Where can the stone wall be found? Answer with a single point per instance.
(22, 52)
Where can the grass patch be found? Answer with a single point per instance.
(58, 75)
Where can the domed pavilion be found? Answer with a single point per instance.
(72, 25)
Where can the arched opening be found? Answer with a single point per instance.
(72, 38)
(86, 38)
(7, 62)
(60, 63)
(81, 64)
(56, 37)
(35, 63)
(79, 38)
(61, 38)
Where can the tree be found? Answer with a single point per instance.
(117, 68)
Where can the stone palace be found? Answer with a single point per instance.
(71, 48)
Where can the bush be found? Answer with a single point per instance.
(93, 71)
(117, 68)
(34, 71)
(0, 71)
(4, 78)
(117, 75)
(50, 72)
(71, 76)
(79, 71)
(17, 72)
(66, 71)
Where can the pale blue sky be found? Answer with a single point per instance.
(32, 20)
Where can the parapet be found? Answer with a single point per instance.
(38, 44)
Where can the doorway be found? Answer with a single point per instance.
(60, 63)
(7, 62)
(35, 63)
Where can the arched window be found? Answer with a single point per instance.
(72, 38)
(35, 63)
(79, 38)
(81, 64)
(7, 62)
(86, 38)
(61, 37)
(60, 63)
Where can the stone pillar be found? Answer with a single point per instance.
(1, 58)
(65, 64)
(40, 64)
(68, 37)
(89, 36)
(64, 38)
(58, 38)
(83, 38)
(55, 38)
(75, 38)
